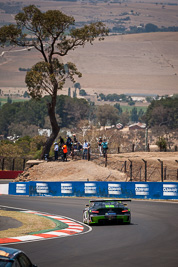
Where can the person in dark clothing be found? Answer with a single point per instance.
(69, 143)
(61, 141)
(105, 147)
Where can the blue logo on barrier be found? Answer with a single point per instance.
(170, 190)
(114, 189)
(66, 188)
(90, 188)
(20, 188)
(42, 188)
(141, 189)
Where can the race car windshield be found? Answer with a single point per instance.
(109, 204)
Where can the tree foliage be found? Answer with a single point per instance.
(23, 147)
(25, 118)
(53, 35)
(107, 114)
(161, 143)
(163, 112)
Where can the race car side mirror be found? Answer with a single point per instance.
(86, 205)
(125, 204)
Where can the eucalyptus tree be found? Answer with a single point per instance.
(53, 35)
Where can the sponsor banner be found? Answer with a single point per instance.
(141, 189)
(152, 190)
(21, 188)
(90, 188)
(114, 189)
(66, 188)
(170, 190)
(42, 188)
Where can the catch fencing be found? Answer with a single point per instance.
(12, 164)
(142, 170)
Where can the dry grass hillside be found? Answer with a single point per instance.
(95, 170)
(135, 63)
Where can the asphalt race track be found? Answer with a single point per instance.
(151, 239)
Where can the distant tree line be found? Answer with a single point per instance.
(31, 115)
(114, 97)
(25, 118)
(150, 27)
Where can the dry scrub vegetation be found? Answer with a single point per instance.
(30, 223)
(95, 170)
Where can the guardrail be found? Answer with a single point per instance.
(138, 190)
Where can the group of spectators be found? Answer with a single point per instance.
(72, 145)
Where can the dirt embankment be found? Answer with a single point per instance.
(83, 170)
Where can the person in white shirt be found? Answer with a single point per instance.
(56, 149)
(85, 149)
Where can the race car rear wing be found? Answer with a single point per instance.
(108, 200)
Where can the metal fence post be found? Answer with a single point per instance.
(106, 159)
(130, 170)
(177, 169)
(162, 178)
(125, 166)
(145, 162)
(165, 173)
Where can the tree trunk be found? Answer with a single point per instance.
(54, 125)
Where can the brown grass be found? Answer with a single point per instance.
(31, 223)
(137, 63)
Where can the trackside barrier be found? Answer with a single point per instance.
(142, 190)
(9, 174)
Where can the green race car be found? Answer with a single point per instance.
(102, 211)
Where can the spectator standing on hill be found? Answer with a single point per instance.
(79, 146)
(64, 150)
(75, 138)
(85, 149)
(69, 143)
(104, 147)
(56, 149)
